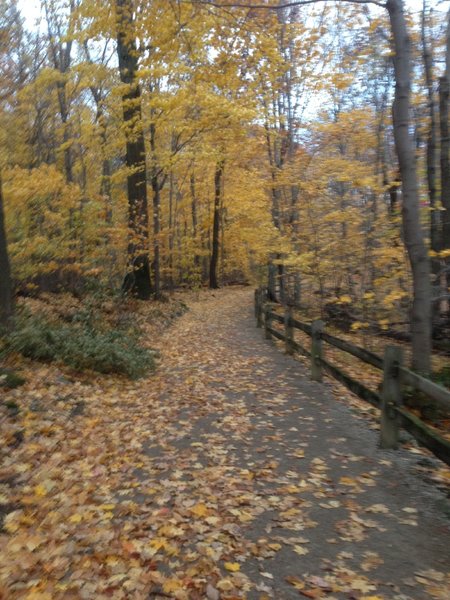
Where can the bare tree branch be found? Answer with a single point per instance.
(279, 6)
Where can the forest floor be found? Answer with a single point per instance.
(225, 474)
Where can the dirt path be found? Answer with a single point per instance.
(227, 474)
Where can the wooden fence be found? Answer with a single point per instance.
(395, 376)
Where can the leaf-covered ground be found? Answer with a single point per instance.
(226, 474)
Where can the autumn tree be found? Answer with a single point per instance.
(6, 291)
(138, 279)
(444, 128)
(12, 75)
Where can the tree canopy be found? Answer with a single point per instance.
(152, 144)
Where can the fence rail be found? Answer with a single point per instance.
(394, 415)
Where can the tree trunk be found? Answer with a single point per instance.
(6, 290)
(137, 280)
(61, 55)
(216, 227)
(413, 234)
(444, 101)
(171, 230)
(156, 190)
(156, 232)
(194, 223)
(271, 282)
(431, 141)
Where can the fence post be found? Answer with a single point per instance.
(316, 350)
(259, 314)
(267, 321)
(288, 330)
(259, 317)
(390, 397)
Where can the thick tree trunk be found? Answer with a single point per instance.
(137, 280)
(6, 291)
(412, 231)
(213, 284)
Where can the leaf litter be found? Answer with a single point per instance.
(197, 482)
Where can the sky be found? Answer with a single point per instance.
(31, 8)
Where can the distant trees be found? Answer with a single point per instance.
(175, 144)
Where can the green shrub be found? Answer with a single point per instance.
(81, 345)
(104, 351)
(33, 337)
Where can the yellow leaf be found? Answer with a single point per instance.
(76, 518)
(200, 510)
(299, 454)
(362, 585)
(275, 547)
(300, 550)
(172, 585)
(347, 481)
(226, 585)
(158, 543)
(296, 582)
(233, 567)
(40, 490)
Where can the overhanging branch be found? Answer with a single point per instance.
(279, 6)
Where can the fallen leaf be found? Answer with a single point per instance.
(232, 566)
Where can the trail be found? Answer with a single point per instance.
(226, 474)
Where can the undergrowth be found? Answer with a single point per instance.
(84, 343)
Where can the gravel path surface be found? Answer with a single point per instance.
(320, 510)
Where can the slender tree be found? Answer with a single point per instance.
(218, 175)
(427, 53)
(6, 291)
(60, 45)
(444, 114)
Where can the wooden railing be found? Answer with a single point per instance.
(395, 376)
